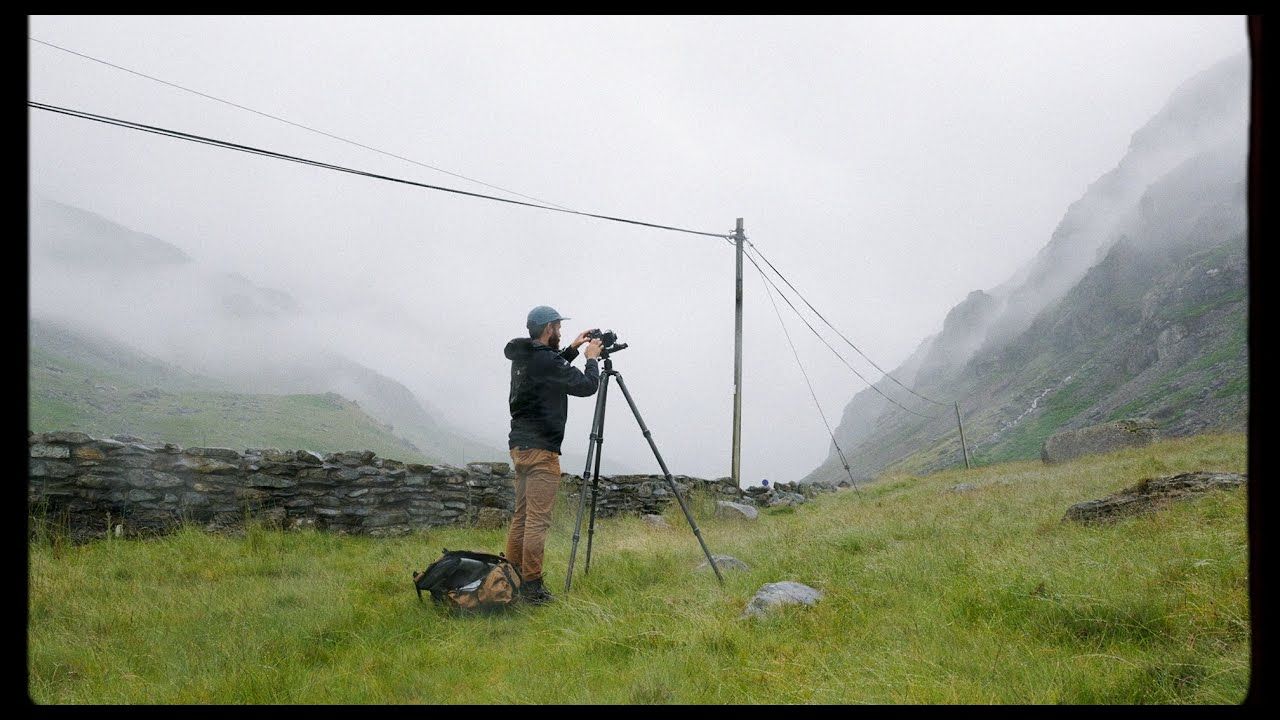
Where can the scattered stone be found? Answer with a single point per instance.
(726, 509)
(1151, 494)
(962, 487)
(724, 562)
(774, 595)
(656, 521)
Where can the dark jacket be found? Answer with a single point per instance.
(541, 382)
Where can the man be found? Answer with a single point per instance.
(541, 381)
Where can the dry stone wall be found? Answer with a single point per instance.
(93, 486)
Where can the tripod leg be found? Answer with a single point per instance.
(597, 424)
(595, 475)
(670, 481)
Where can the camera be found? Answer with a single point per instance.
(608, 338)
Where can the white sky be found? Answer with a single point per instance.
(887, 165)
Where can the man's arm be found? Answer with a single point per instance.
(558, 373)
(571, 352)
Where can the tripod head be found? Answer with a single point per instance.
(617, 347)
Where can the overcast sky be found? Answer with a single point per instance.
(887, 165)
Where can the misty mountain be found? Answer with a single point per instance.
(138, 296)
(1137, 306)
(84, 382)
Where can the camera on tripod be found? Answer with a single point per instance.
(608, 341)
(606, 338)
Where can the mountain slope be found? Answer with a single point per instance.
(151, 298)
(1137, 307)
(79, 382)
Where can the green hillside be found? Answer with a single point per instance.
(101, 388)
(931, 596)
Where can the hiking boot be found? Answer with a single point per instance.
(534, 593)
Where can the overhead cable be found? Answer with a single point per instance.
(833, 327)
(293, 158)
(833, 350)
(812, 394)
(290, 122)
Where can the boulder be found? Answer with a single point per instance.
(1151, 494)
(962, 487)
(726, 509)
(1069, 444)
(774, 595)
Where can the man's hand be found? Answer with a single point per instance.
(593, 349)
(582, 337)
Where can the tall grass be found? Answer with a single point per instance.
(931, 596)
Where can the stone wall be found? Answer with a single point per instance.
(92, 486)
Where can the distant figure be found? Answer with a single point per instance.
(541, 381)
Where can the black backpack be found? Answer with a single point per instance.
(470, 581)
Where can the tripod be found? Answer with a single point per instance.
(595, 449)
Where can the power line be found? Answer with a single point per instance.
(812, 394)
(290, 122)
(824, 342)
(128, 124)
(448, 172)
(833, 327)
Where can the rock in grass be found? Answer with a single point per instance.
(725, 509)
(1151, 494)
(657, 522)
(774, 595)
(962, 487)
(724, 562)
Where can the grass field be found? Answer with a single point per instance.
(931, 596)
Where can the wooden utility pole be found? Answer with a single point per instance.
(739, 237)
(963, 447)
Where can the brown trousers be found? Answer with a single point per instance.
(537, 479)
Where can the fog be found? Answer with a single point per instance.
(887, 165)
